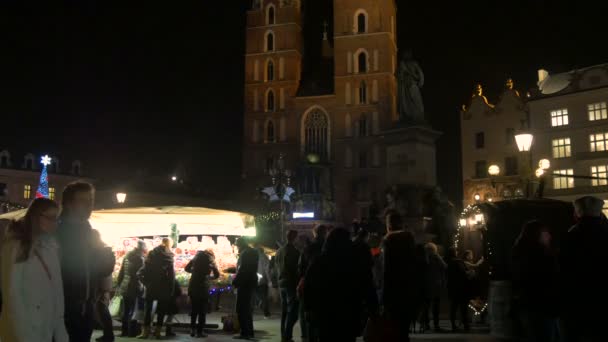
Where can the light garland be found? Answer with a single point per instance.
(220, 290)
(478, 312)
(275, 215)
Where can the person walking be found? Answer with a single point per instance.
(84, 262)
(435, 275)
(130, 288)
(402, 289)
(158, 277)
(310, 328)
(535, 283)
(287, 263)
(458, 293)
(32, 286)
(262, 290)
(201, 266)
(584, 282)
(245, 282)
(337, 308)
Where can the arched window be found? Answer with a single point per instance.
(5, 159)
(270, 19)
(270, 41)
(363, 93)
(316, 134)
(362, 62)
(28, 161)
(270, 101)
(361, 23)
(270, 131)
(270, 70)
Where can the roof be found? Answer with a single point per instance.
(569, 81)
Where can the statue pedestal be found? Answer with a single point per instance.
(410, 155)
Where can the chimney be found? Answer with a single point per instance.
(542, 75)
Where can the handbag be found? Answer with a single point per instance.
(381, 329)
(115, 306)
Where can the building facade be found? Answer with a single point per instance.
(569, 120)
(20, 175)
(338, 140)
(487, 137)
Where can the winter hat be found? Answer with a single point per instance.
(141, 244)
(588, 206)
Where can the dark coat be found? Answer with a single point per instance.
(201, 266)
(402, 284)
(311, 252)
(172, 305)
(158, 275)
(83, 261)
(435, 275)
(535, 281)
(128, 284)
(287, 264)
(458, 280)
(583, 261)
(247, 269)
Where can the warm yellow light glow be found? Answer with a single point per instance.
(121, 197)
(477, 197)
(524, 141)
(490, 199)
(463, 222)
(479, 218)
(494, 170)
(544, 164)
(540, 172)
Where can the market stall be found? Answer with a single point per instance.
(192, 228)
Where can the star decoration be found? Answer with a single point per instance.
(46, 160)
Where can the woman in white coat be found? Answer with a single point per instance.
(30, 273)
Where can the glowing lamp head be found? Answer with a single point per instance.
(173, 178)
(477, 197)
(121, 197)
(524, 141)
(544, 164)
(479, 218)
(494, 170)
(463, 222)
(539, 172)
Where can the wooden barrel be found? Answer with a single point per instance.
(499, 309)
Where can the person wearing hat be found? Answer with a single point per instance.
(245, 281)
(584, 282)
(130, 288)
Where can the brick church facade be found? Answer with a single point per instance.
(339, 141)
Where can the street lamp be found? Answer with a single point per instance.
(544, 164)
(524, 141)
(540, 172)
(477, 197)
(173, 178)
(494, 170)
(121, 197)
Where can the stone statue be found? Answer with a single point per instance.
(411, 80)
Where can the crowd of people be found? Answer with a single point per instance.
(55, 276)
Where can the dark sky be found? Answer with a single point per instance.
(128, 85)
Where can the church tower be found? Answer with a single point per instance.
(365, 59)
(273, 62)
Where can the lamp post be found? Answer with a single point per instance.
(524, 140)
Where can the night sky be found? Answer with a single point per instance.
(131, 86)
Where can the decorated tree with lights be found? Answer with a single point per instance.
(43, 186)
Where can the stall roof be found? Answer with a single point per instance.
(115, 224)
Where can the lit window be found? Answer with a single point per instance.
(363, 93)
(605, 209)
(597, 142)
(559, 117)
(561, 148)
(599, 175)
(562, 179)
(52, 193)
(597, 111)
(27, 191)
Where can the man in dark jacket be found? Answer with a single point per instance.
(130, 288)
(434, 282)
(201, 266)
(458, 293)
(158, 276)
(287, 262)
(83, 261)
(584, 280)
(310, 330)
(402, 289)
(245, 282)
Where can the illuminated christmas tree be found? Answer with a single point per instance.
(43, 187)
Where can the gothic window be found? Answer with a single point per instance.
(270, 131)
(270, 41)
(270, 19)
(363, 126)
(361, 21)
(316, 134)
(270, 101)
(270, 70)
(362, 59)
(363, 93)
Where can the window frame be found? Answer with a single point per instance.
(27, 191)
(563, 147)
(594, 143)
(559, 117)
(270, 100)
(563, 179)
(596, 172)
(363, 92)
(274, 15)
(597, 111)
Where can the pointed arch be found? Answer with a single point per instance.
(270, 14)
(270, 100)
(315, 135)
(361, 21)
(270, 131)
(269, 70)
(269, 41)
(361, 59)
(5, 159)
